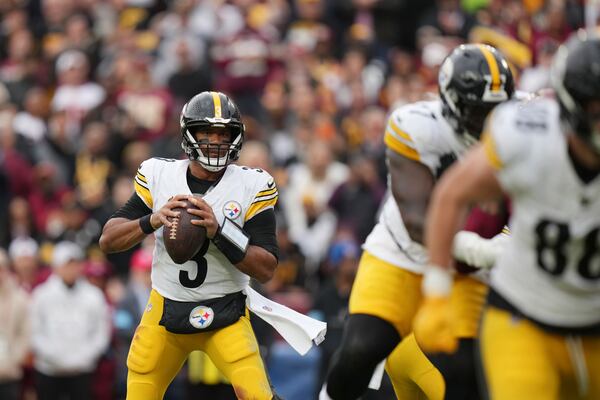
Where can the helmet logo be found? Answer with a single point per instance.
(494, 94)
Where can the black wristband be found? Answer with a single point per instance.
(229, 249)
(145, 224)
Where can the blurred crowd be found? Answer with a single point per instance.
(91, 88)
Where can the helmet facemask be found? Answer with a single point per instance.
(212, 156)
(467, 120)
(209, 113)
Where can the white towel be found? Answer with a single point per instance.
(297, 329)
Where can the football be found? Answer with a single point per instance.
(183, 239)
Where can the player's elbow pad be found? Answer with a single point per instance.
(475, 251)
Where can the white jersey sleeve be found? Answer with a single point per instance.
(143, 182)
(264, 194)
(419, 132)
(509, 136)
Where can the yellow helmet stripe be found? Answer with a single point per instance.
(217, 102)
(493, 67)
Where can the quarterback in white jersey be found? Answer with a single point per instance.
(422, 140)
(200, 304)
(540, 334)
(240, 194)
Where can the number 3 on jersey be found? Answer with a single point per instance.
(201, 269)
(552, 241)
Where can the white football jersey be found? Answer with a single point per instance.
(550, 270)
(419, 132)
(241, 194)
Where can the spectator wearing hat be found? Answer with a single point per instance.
(70, 325)
(14, 331)
(24, 255)
(75, 95)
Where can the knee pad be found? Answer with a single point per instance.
(236, 341)
(367, 341)
(146, 348)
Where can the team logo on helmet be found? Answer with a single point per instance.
(201, 317)
(232, 209)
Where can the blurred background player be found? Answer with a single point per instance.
(540, 334)
(422, 140)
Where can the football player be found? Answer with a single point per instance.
(540, 333)
(422, 140)
(199, 305)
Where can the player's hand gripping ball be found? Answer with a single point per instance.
(183, 239)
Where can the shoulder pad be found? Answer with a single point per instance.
(409, 129)
(143, 181)
(513, 126)
(264, 189)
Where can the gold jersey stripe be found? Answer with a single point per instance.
(490, 151)
(493, 66)
(142, 184)
(265, 198)
(259, 206)
(141, 178)
(144, 194)
(217, 101)
(400, 147)
(506, 230)
(266, 192)
(399, 131)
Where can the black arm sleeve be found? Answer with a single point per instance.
(262, 231)
(134, 208)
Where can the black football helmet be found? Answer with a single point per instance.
(575, 76)
(211, 110)
(472, 80)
